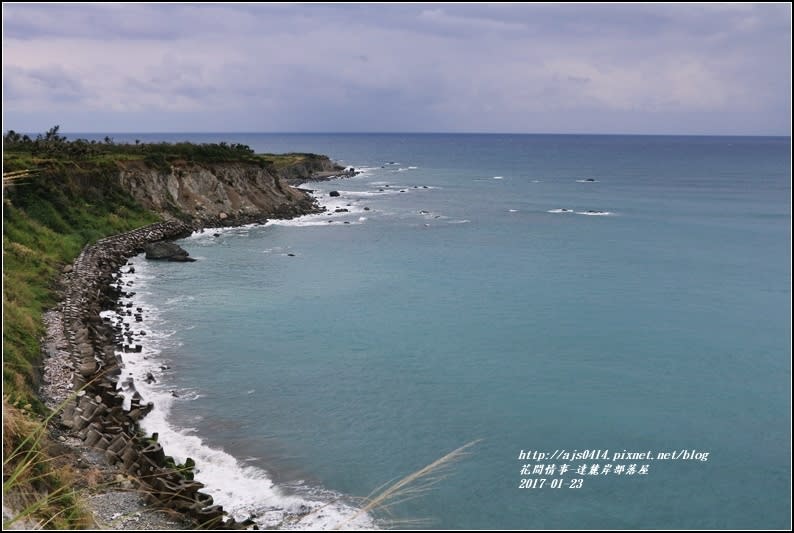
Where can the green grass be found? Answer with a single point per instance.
(283, 161)
(47, 219)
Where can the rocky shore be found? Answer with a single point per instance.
(81, 375)
(325, 175)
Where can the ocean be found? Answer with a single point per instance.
(621, 304)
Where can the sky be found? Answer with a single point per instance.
(714, 69)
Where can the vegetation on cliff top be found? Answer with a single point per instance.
(22, 152)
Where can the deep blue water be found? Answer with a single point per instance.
(470, 310)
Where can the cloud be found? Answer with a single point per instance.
(468, 24)
(47, 85)
(390, 67)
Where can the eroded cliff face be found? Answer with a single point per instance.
(221, 191)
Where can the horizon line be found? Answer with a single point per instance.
(412, 133)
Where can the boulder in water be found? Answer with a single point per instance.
(168, 251)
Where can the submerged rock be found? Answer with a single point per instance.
(333, 193)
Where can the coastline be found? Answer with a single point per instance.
(80, 346)
(83, 348)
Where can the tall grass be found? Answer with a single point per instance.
(38, 487)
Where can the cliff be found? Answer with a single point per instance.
(206, 192)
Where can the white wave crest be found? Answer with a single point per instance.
(594, 213)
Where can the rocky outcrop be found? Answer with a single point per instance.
(167, 251)
(214, 194)
(312, 168)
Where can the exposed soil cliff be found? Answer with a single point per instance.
(211, 192)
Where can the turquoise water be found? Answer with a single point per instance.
(475, 309)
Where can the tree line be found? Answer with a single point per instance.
(52, 144)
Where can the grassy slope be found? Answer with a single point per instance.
(47, 219)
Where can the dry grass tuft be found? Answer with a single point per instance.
(410, 487)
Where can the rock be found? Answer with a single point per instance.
(366, 209)
(182, 259)
(167, 251)
(223, 216)
(341, 210)
(88, 368)
(67, 269)
(291, 255)
(150, 378)
(333, 193)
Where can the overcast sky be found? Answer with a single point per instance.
(583, 68)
